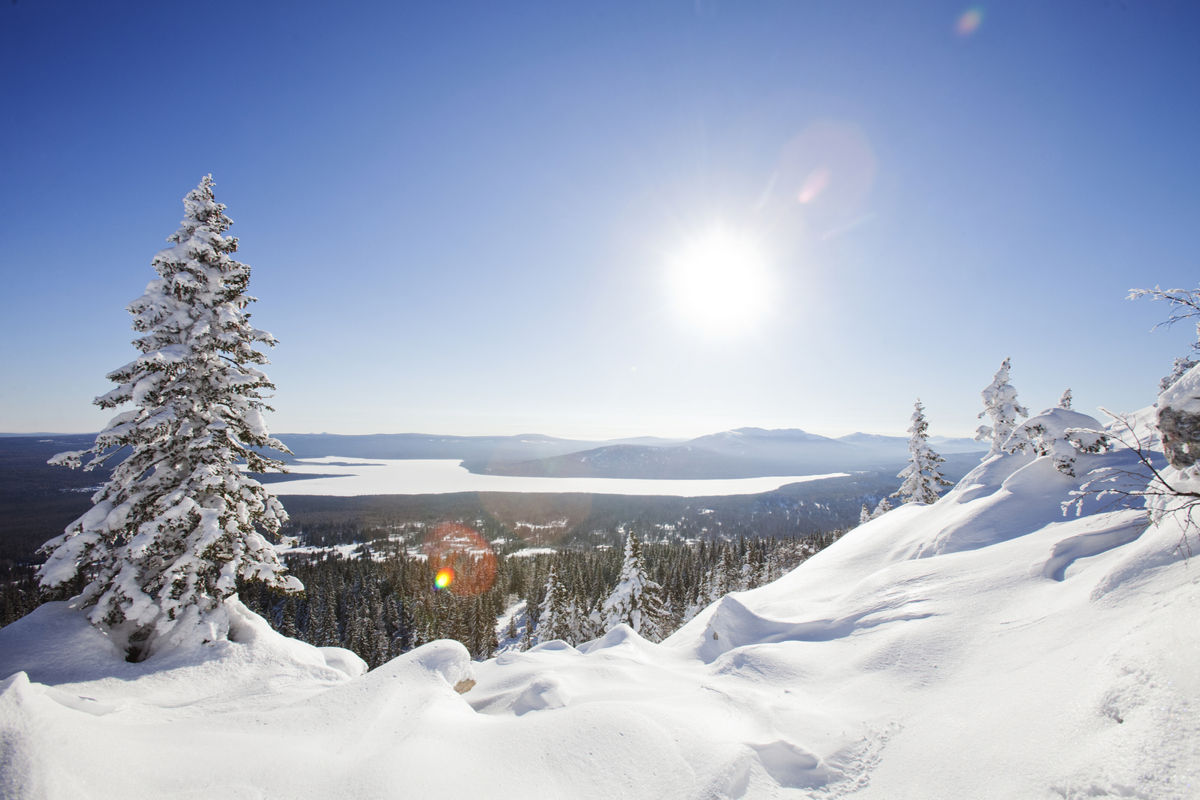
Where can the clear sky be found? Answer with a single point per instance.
(472, 217)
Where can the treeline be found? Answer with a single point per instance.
(383, 601)
(380, 606)
(19, 594)
(581, 520)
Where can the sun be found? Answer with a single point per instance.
(719, 282)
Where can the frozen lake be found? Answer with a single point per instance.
(357, 476)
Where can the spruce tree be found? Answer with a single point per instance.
(922, 479)
(287, 620)
(882, 508)
(1001, 406)
(179, 522)
(635, 600)
(555, 619)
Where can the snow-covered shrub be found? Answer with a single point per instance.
(1178, 370)
(1061, 434)
(1175, 489)
(178, 522)
(1179, 420)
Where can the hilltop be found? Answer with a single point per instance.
(984, 646)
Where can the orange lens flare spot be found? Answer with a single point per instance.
(462, 561)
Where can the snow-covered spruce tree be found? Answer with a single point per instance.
(1000, 404)
(555, 619)
(636, 600)
(178, 522)
(922, 479)
(1065, 400)
(881, 508)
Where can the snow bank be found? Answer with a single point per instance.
(982, 646)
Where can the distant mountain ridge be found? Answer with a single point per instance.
(741, 453)
(476, 449)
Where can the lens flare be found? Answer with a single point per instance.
(461, 560)
(824, 178)
(816, 182)
(969, 22)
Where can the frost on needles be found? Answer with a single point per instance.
(923, 480)
(179, 522)
(1000, 405)
(636, 600)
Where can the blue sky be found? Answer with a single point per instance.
(460, 216)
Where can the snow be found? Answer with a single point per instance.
(528, 552)
(353, 477)
(340, 550)
(984, 646)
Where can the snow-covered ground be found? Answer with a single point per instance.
(348, 477)
(982, 647)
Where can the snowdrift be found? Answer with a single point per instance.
(985, 647)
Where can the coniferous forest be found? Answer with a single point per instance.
(382, 603)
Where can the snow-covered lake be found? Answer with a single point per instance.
(355, 476)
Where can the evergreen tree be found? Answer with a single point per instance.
(323, 632)
(1065, 400)
(635, 600)
(555, 619)
(1000, 404)
(731, 572)
(884, 506)
(287, 622)
(864, 514)
(922, 479)
(179, 522)
(528, 639)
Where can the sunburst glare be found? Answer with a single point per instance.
(719, 282)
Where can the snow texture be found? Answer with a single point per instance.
(983, 646)
(1061, 434)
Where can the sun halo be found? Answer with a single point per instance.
(719, 282)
